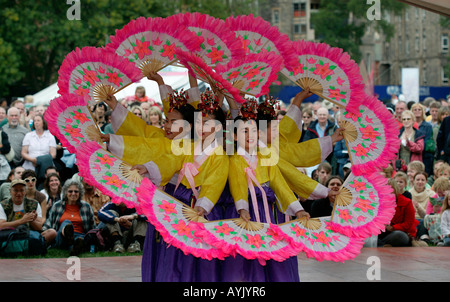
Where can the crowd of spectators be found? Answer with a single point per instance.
(67, 209)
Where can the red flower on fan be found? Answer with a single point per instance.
(336, 94)
(363, 204)
(74, 133)
(345, 215)
(81, 91)
(114, 78)
(255, 241)
(90, 76)
(323, 70)
(182, 228)
(215, 55)
(157, 41)
(361, 151)
(106, 160)
(142, 48)
(298, 231)
(167, 207)
(233, 75)
(245, 44)
(358, 185)
(323, 238)
(252, 85)
(251, 73)
(223, 229)
(169, 51)
(276, 236)
(369, 133)
(80, 117)
(114, 181)
(353, 116)
(299, 69)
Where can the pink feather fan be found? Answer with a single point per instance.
(218, 45)
(151, 43)
(70, 120)
(252, 74)
(329, 72)
(197, 67)
(95, 73)
(257, 35)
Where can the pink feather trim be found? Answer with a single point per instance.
(187, 59)
(258, 25)
(385, 213)
(96, 55)
(145, 195)
(83, 162)
(157, 25)
(215, 28)
(56, 108)
(271, 59)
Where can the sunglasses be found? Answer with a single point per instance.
(73, 191)
(30, 179)
(406, 119)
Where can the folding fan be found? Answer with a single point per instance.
(174, 221)
(94, 73)
(70, 120)
(258, 35)
(150, 43)
(327, 71)
(364, 206)
(205, 73)
(218, 45)
(252, 74)
(108, 173)
(315, 237)
(252, 240)
(371, 134)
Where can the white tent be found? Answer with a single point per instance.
(176, 77)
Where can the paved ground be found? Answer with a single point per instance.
(429, 264)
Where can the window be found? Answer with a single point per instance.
(444, 76)
(276, 16)
(299, 29)
(299, 10)
(444, 43)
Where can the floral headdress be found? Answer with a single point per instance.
(208, 103)
(249, 109)
(177, 100)
(268, 107)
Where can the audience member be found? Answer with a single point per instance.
(6, 155)
(412, 140)
(52, 191)
(126, 227)
(399, 108)
(323, 172)
(324, 207)
(413, 168)
(402, 182)
(402, 227)
(29, 176)
(307, 118)
(443, 140)
(98, 113)
(3, 119)
(155, 117)
(71, 218)
(16, 134)
(95, 198)
(445, 220)
(427, 129)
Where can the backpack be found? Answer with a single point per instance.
(19, 242)
(98, 239)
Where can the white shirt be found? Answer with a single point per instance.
(19, 211)
(37, 146)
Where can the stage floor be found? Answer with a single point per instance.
(411, 264)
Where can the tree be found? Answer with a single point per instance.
(342, 23)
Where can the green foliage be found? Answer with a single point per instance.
(342, 23)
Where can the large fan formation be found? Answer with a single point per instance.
(238, 56)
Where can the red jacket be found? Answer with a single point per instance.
(404, 217)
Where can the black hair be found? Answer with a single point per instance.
(187, 112)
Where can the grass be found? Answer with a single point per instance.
(57, 253)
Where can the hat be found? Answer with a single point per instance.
(18, 182)
(348, 165)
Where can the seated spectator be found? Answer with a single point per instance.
(412, 169)
(6, 155)
(324, 207)
(443, 170)
(125, 226)
(52, 191)
(402, 181)
(432, 221)
(29, 176)
(433, 177)
(71, 218)
(15, 173)
(402, 227)
(38, 147)
(95, 198)
(19, 211)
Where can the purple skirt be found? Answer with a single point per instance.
(164, 263)
(239, 269)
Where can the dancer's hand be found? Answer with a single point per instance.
(104, 137)
(337, 135)
(142, 170)
(302, 213)
(245, 215)
(200, 211)
(154, 76)
(111, 101)
(301, 96)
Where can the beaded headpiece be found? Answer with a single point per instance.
(177, 100)
(208, 103)
(268, 107)
(249, 109)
